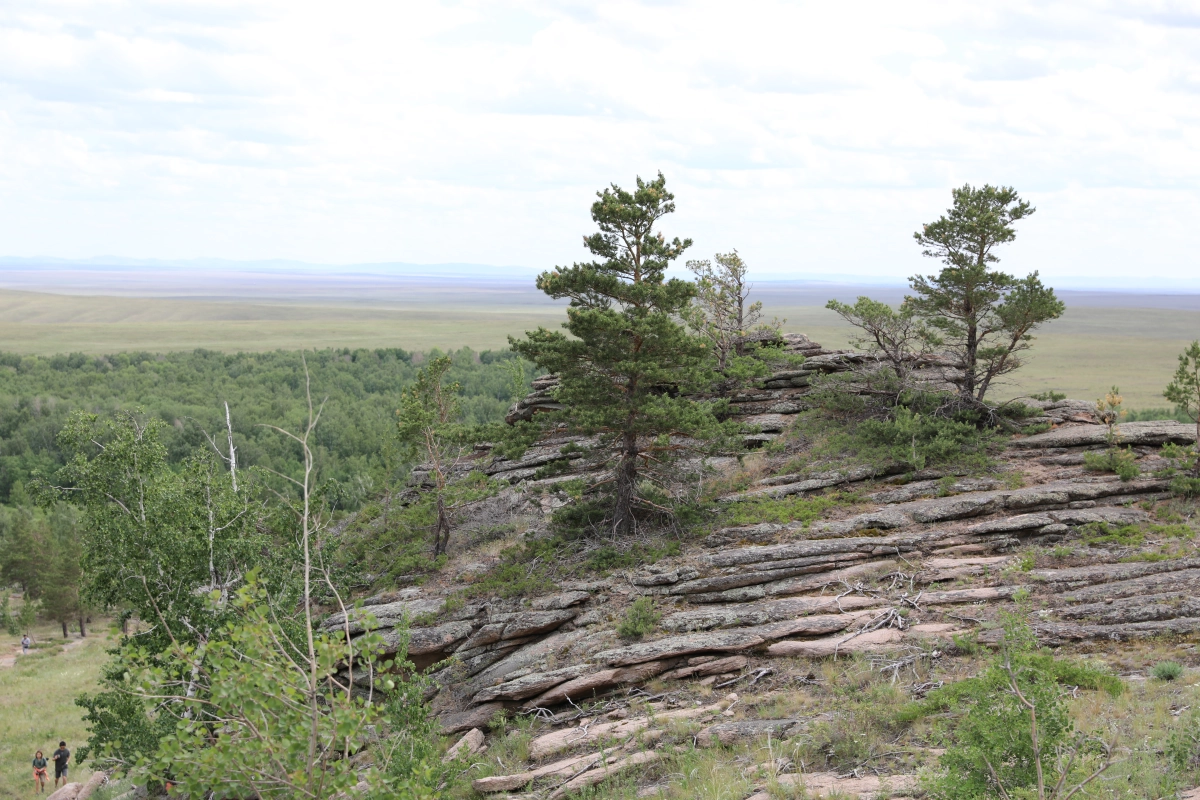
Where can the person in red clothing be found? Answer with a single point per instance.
(39, 772)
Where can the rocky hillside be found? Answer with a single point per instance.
(747, 633)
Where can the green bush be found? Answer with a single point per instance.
(917, 440)
(8, 620)
(1123, 535)
(1167, 670)
(640, 619)
(1183, 745)
(1065, 672)
(1181, 468)
(994, 750)
(1122, 462)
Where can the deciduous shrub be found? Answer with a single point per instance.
(1015, 737)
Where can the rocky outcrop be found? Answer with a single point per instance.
(1128, 433)
(899, 568)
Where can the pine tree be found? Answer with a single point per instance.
(60, 598)
(627, 358)
(985, 317)
(1184, 391)
(23, 544)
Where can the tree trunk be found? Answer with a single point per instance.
(626, 486)
(441, 534)
(1196, 463)
(82, 628)
(124, 626)
(969, 361)
(64, 626)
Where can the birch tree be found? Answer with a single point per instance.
(722, 313)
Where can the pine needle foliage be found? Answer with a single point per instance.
(625, 362)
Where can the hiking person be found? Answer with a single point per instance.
(26, 642)
(61, 756)
(39, 772)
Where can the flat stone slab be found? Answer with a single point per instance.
(674, 646)
(1071, 578)
(590, 684)
(530, 685)
(477, 717)
(1180, 581)
(1140, 608)
(829, 784)
(1115, 515)
(792, 586)
(557, 741)
(830, 645)
(985, 594)
(425, 641)
(1057, 633)
(740, 614)
(1131, 433)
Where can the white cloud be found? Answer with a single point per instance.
(814, 137)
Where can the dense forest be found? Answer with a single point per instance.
(354, 444)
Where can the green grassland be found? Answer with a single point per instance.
(37, 702)
(45, 324)
(1082, 354)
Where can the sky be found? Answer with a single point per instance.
(814, 138)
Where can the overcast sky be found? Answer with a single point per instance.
(813, 137)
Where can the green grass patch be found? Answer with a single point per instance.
(796, 508)
(37, 708)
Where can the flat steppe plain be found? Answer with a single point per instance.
(1131, 341)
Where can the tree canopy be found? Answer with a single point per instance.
(985, 317)
(625, 358)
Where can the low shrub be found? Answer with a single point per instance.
(1167, 670)
(917, 441)
(1183, 745)
(1182, 470)
(1122, 462)
(1014, 726)
(1103, 533)
(1064, 672)
(640, 619)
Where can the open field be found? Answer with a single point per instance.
(37, 701)
(1082, 354)
(1093, 347)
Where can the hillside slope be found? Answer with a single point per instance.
(774, 655)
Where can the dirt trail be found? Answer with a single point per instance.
(10, 659)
